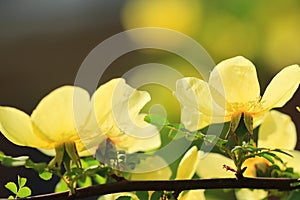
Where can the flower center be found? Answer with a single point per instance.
(244, 107)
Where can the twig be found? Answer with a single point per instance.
(174, 185)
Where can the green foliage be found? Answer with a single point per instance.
(20, 191)
(295, 195)
(142, 194)
(156, 195)
(10, 161)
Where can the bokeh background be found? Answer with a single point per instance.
(43, 43)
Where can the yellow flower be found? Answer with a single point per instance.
(67, 116)
(116, 111)
(275, 125)
(51, 124)
(149, 169)
(233, 89)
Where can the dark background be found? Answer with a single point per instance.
(42, 45)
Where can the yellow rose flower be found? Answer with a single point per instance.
(233, 89)
(145, 171)
(67, 117)
(116, 111)
(274, 126)
(51, 124)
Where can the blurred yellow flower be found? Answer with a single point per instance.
(172, 14)
(233, 89)
(176, 15)
(51, 124)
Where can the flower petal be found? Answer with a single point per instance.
(192, 195)
(236, 79)
(188, 164)
(277, 131)
(282, 87)
(117, 107)
(211, 166)
(292, 161)
(197, 108)
(152, 168)
(16, 126)
(61, 113)
(247, 194)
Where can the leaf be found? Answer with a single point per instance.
(61, 186)
(9, 161)
(283, 152)
(11, 197)
(24, 192)
(39, 167)
(275, 156)
(156, 195)
(45, 175)
(87, 181)
(21, 181)
(156, 120)
(295, 195)
(99, 179)
(248, 120)
(142, 194)
(269, 158)
(12, 187)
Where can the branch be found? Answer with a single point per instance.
(174, 185)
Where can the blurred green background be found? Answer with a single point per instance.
(43, 43)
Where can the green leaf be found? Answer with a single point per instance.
(45, 175)
(39, 167)
(99, 179)
(295, 195)
(24, 192)
(9, 161)
(21, 181)
(11, 197)
(12, 187)
(156, 120)
(248, 120)
(87, 181)
(142, 194)
(266, 156)
(124, 198)
(61, 186)
(156, 195)
(283, 152)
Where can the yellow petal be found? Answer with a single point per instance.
(292, 161)
(115, 196)
(277, 131)
(16, 126)
(197, 106)
(247, 194)
(192, 195)
(236, 79)
(188, 164)
(48, 152)
(117, 107)
(211, 166)
(152, 168)
(282, 87)
(61, 113)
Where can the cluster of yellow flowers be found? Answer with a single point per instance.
(69, 116)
